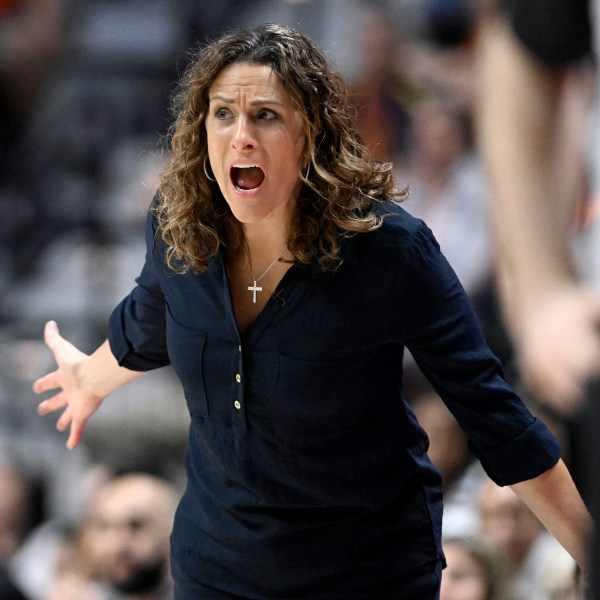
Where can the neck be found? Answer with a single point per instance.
(264, 242)
(268, 236)
(262, 246)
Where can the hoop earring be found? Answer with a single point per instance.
(205, 171)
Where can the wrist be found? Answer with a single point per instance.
(102, 374)
(89, 373)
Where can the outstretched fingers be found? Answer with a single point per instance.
(48, 406)
(76, 434)
(46, 383)
(64, 420)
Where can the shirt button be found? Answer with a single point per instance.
(238, 377)
(237, 404)
(239, 348)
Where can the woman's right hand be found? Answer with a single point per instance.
(77, 400)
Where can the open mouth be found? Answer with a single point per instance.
(247, 177)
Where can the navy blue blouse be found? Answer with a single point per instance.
(307, 470)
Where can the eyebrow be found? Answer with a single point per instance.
(255, 102)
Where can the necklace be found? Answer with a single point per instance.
(256, 288)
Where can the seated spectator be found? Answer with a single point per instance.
(122, 548)
(15, 508)
(475, 571)
(383, 95)
(15, 511)
(448, 190)
(536, 559)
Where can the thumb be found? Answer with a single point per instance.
(51, 334)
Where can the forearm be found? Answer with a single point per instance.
(554, 499)
(533, 168)
(101, 374)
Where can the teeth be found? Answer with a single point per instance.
(244, 166)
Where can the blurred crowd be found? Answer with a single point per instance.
(84, 114)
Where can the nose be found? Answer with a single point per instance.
(244, 135)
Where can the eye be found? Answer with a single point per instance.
(222, 113)
(266, 114)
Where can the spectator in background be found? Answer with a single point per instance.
(535, 558)
(475, 571)
(442, 58)
(105, 70)
(16, 508)
(32, 36)
(121, 551)
(31, 40)
(448, 190)
(382, 94)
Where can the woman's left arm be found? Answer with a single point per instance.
(554, 499)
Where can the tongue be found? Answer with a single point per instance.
(249, 178)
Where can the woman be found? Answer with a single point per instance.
(474, 571)
(283, 282)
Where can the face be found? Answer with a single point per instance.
(438, 136)
(128, 536)
(507, 522)
(255, 143)
(463, 578)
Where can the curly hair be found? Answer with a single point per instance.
(339, 181)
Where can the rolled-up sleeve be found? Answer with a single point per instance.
(523, 457)
(136, 330)
(448, 345)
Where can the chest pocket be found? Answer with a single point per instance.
(186, 349)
